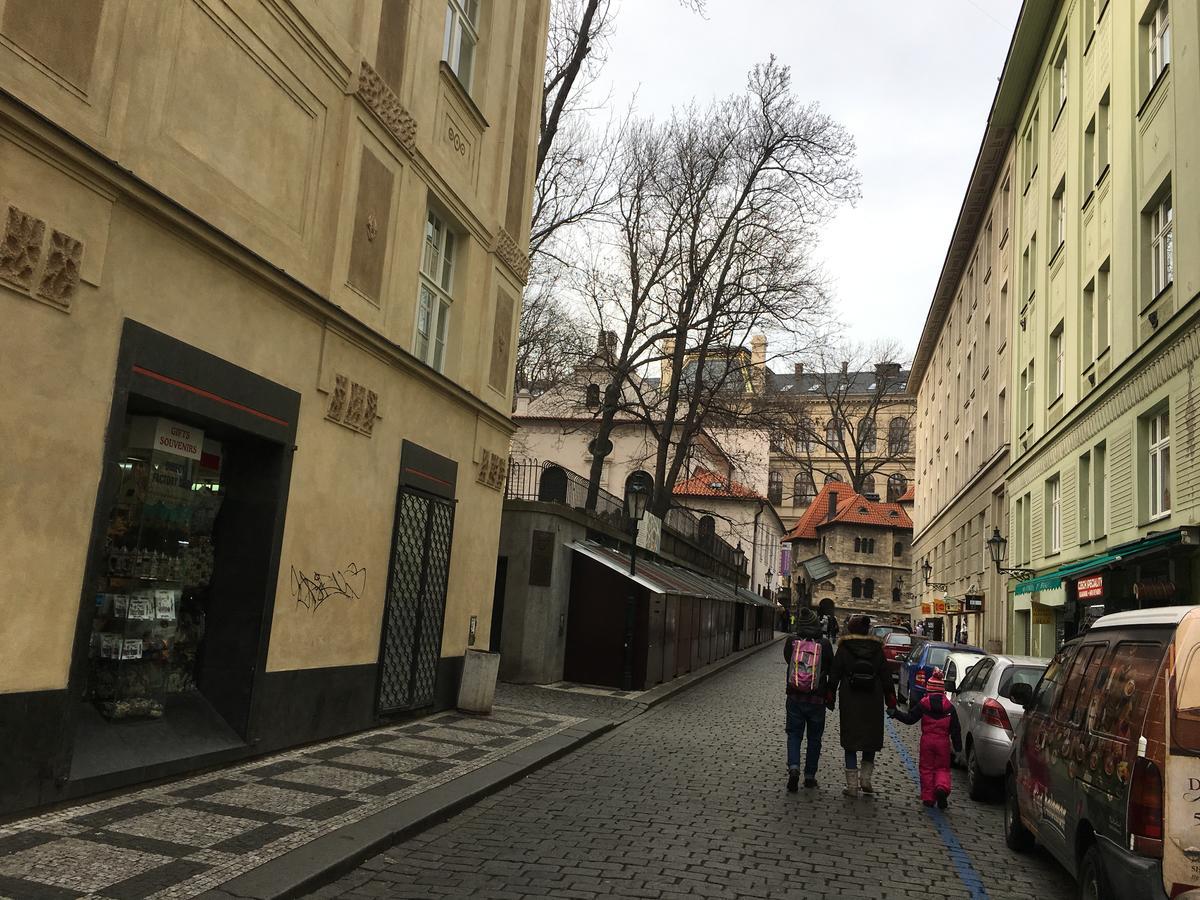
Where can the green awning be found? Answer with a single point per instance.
(1055, 578)
(819, 568)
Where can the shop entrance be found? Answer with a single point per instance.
(183, 564)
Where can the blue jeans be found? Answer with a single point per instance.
(868, 756)
(799, 716)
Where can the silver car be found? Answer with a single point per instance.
(988, 717)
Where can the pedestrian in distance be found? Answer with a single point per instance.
(860, 683)
(939, 730)
(810, 658)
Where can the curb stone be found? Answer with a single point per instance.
(299, 871)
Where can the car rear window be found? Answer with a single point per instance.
(1119, 707)
(1014, 675)
(1185, 723)
(898, 639)
(938, 657)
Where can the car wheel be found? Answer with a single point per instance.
(1092, 883)
(978, 784)
(1016, 835)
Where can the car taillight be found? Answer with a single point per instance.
(1146, 806)
(995, 715)
(920, 679)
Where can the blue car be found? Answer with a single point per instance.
(921, 663)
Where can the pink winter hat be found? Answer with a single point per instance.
(935, 683)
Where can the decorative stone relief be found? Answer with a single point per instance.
(21, 250)
(382, 101)
(493, 469)
(512, 255)
(60, 278)
(353, 405)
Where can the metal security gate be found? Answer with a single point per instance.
(416, 602)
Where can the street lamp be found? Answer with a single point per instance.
(638, 488)
(996, 545)
(927, 570)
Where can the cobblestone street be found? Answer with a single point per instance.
(688, 799)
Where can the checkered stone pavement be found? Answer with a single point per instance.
(688, 799)
(181, 839)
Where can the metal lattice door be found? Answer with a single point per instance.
(416, 602)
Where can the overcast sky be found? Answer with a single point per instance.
(912, 81)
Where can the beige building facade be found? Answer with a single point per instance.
(1103, 488)
(261, 278)
(960, 379)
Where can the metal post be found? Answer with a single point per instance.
(630, 615)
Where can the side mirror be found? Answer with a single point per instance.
(951, 685)
(1021, 693)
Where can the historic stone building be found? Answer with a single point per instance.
(853, 551)
(260, 275)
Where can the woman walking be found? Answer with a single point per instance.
(864, 688)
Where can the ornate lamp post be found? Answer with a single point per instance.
(927, 570)
(996, 545)
(637, 496)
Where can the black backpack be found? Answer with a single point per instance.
(862, 675)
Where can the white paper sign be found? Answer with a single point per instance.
(182, 440)
(132, 649)
(110, 646)
(164, 604)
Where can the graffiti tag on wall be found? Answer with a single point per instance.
(310, 591)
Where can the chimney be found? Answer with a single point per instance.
(664, 367)
(524, 396)
(610, 338)
(845, 368)
(799, 369)
(758, 351)
(887, 370)
(832, 506)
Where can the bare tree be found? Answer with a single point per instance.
(847, 419)
(715, 219)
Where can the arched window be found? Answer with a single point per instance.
(870, 548)
(869, 588)
(856, 587)
(835, 435)
(868, 484)
(897, 485)
(804, 434)
(803, 489)
(707, 529)
(775, 488)
(831, 477)
(857, 545)
(552, 485)
(593, 396)
(898, 550)
(895, 595)
(867, 434)
(898, 437)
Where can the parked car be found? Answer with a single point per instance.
(958, 665)
(921, 662)
(896, 646)
(988, 715)
(882, 631)
(1114, 719)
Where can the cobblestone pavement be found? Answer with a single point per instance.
(579, 704)
(688, 799)
(180, 839)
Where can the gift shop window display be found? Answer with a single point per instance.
(151, 600)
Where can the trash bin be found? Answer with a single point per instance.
(477, 689)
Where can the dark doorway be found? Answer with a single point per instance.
(498, 604)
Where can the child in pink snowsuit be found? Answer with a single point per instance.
(939, 729)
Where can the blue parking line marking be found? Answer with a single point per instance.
(958, 855)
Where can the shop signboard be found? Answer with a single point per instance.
(939, 606)
(926, 607)
(177, 438)
(1041, 614)
(1091, 588)
(973, 603)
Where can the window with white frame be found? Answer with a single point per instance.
(1158, 464)
(1089, 159)
(1087, 330)
(435, 297)
(1058, 217)
(1103, 337)
(1162, 246)
(1103, 136)
(1005, 201)
(1158, 41)
(1099, 490)
(1060, 78)
(1083, 506)
(1057, 373)
(1029, 157)
(461, 37)
(1053, 515)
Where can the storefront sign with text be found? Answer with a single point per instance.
(1090, 588)
(182, 440)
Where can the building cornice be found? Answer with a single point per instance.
(30, 129)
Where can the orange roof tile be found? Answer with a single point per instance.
(806, 528)
(704, 483)
(850, 508)
(909, 496)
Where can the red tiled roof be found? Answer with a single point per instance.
(909, 496)
(850, 508)
(704, 483)
(806, 528)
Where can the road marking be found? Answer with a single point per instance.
(962, 861)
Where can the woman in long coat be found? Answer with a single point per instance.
(864, 689)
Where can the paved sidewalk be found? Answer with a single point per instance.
(181, 839)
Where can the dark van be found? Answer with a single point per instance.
(1105, 767)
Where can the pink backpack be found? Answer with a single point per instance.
(804, 668)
